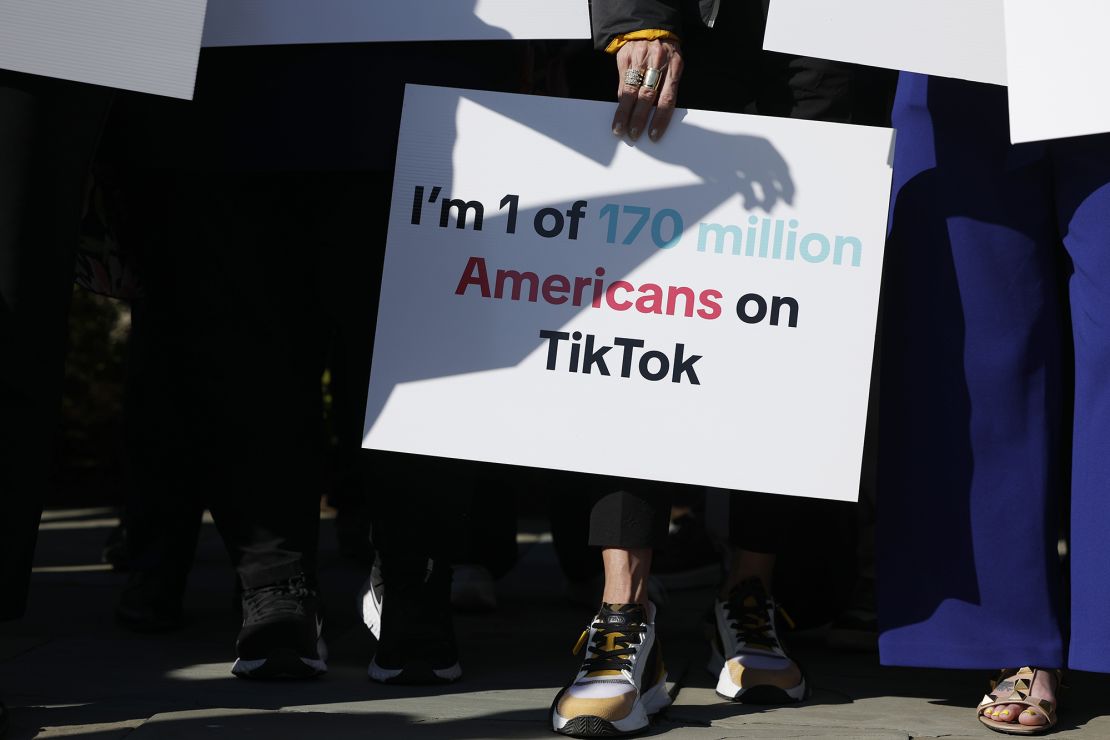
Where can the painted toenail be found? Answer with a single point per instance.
(1005, 713)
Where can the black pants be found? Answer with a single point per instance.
(48, 134)
(225, 403)
(252, 282)
(637, 515)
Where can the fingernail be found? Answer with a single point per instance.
(618, 129)
(653, 134)
(634, 132)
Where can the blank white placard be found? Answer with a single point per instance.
(259, 22)
(949, 38)
(1056, 55)
(143, 45)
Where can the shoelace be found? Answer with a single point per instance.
(753, 624)
(287, 597)
(601, 657)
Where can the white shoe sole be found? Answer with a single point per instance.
(417, 676)
(728, 689)
(651, 702)
(283, 664)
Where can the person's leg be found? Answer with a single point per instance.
(1082, 168)
(163, 510)
(626, 574)
(759, 527)
(570, 500)
(970, 473)
(233, 251)
(48, 135)
(747, 655)
(259, 374)
(622, 680)
(627, 525)
(969, 468)
(416, 532)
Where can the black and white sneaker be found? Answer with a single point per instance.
(757, 669)
(622, 681)
(281, 634)
(416, 637)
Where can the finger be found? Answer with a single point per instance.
(668, 98)
(658, 57)
(631, 56)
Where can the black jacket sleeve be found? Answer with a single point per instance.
(614, 17)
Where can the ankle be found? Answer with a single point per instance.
(746, 565)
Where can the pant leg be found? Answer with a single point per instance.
(570, 502)
(48, 135)
(969, 467)
(424, 517)
(229, 261)
(1082, 178)
(761, 522)
(634, 515)
(266, 394)
(164, 505)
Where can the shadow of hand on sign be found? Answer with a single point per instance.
(472, 332)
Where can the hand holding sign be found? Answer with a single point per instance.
(660, 62)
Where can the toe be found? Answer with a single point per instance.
(1031, 718)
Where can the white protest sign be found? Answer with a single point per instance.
(1056, 53)
(148, 46)
(698, 310)
(949, 38)
(256, 22)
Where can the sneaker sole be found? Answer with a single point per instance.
(765, 694)
(639, 719)
(282, 663)
(414, 675)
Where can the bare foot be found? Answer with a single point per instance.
(1044, 687)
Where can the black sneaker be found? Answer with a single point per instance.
(416, 644)
(747, 656)
(3, 720)
(281, 631)
(622, 681)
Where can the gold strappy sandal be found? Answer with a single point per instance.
(1013, 687)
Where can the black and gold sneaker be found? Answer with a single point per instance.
(622, 681)
(747, 656)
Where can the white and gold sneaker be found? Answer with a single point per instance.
(622, 681)
(757, 669)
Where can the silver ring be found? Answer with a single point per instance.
(652, 78)
(633, 78)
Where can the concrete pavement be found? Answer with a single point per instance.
(68, 671)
